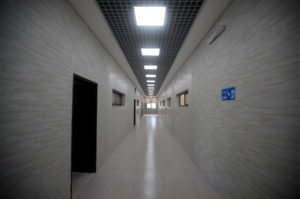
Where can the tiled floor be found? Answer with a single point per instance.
(149, 163)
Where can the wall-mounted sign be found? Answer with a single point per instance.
(228, 94)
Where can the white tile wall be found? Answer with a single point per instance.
(248, 148)
(42, 44)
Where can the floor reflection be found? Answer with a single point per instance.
(149, 163)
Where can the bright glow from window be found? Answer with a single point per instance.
(150, 81)
(150, 84)
(150, 51)
(150, 16)
(153, 105)
(150, 75)
(150, 67)
(148, 105)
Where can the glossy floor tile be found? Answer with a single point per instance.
(148, 164)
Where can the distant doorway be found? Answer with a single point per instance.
(84, 125)
(134, 112)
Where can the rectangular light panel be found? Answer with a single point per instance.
(150, 51)
(150, 67)
(150, 16)
(150, 84)
(150, 75)
(150, 81)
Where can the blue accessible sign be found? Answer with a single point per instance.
(228, 94)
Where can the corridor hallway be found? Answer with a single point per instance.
(149, 163)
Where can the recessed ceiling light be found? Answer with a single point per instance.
(150, 51)
(150, 81)
(150, 75)
(150, 67)
(150, 84)
(150, 16)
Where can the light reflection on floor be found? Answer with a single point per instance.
(149, 163)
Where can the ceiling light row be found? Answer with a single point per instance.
(150, 16)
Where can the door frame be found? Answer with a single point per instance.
(134, 112)
(81, 78)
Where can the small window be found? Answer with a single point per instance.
(149, 106)
(153, 105)
(183, 98)
(163, 103)
(169, 102)
(117, 98)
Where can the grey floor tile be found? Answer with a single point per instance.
(148, 164)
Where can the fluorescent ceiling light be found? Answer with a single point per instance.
(150, 84)
(150, 67)
(150, 75)
(150, 51)
(150, 81)
(150, 16)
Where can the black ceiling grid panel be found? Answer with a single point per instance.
(180, 15)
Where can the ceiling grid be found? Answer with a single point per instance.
(180, 15)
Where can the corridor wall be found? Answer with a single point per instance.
(248, 147)
(43, 43)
